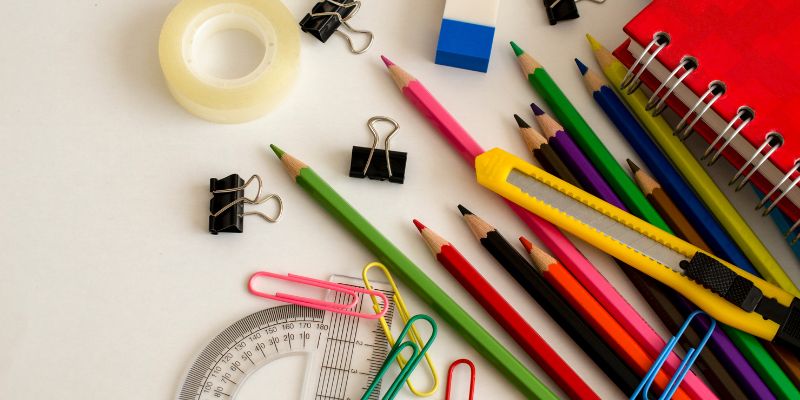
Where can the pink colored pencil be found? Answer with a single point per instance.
(549, 235)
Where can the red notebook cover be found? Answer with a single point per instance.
(748, 45)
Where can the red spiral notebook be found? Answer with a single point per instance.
(745, 47)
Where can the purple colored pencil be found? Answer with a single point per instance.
(576, 161)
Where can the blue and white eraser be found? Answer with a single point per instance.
(467, 33)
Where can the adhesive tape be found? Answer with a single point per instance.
(229, 100)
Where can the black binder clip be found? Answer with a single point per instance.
(379, 164)
(562, 10)
(227, 204)
(326, 17)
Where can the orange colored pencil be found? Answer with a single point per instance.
(595, 315)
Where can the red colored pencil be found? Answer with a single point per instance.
(506, 315)
(587, 306)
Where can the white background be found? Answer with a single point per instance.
(109, 280)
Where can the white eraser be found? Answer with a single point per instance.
(481, 12)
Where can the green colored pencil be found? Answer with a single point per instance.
(587, 140)
(403, 268)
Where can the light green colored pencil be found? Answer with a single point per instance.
(413, 277)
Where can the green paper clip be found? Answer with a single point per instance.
(412, 362)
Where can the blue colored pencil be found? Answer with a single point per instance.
(783, 223)
(664, 172)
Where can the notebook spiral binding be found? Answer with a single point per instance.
(657, 103)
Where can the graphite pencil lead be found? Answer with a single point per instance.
(634, 168)
(521, 122)
(464, 211)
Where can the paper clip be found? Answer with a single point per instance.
(414, 336)
(346, 309)
(413, 361)
(683, 368)
(453, 366)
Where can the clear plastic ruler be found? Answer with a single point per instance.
(344, 352)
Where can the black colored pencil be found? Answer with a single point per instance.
(544, 153)
(556, 306)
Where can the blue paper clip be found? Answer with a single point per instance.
(416, 356)
(683, 368)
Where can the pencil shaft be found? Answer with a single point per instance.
(505, 315)
(424, 287)
(560, 311)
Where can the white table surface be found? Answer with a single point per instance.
(109, 280)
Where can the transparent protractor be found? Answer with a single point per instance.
(251, 343)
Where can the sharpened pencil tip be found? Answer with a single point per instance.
(526, 243)
(536, 110)
(517, 50)
(387, 61)
(593, 42)
(277, 150)
(521, 122)
(634, 168)
(581, 66)
(419, 225)
(464, 210)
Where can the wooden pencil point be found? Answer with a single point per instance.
(386, 61)
(277, 150)
(431, 238)
(292, 165)
(603, 56)
(547, 124)
(526, 62)
(464, 210)
(541, 259)
(419, 225)
(634, 168)
(478, 226)
(521, 122)
(517, 50)
(400, 77)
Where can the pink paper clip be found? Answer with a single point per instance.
(346, 309)
(471, 377)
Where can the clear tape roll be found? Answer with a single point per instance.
(229, 100)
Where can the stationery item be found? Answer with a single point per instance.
(405, 315)
(382, 164)
(691, 356)
(467, 33)
(416, 356)
(721, 344)
(327, 16)
(591, 311)
(413, 277)
(694, 174)
(550, 236)
(346, 308)
(229, 100)
(733, 296)
(338, 349)
(736, 100)
(660, 131)
(228, 200)
(505, 315)
(558, 309)
(570, 152)
(543, 152)
(471, 367)
(562, 10)
(783, 223)
(586, 139)
(656, 295)
(648, 150)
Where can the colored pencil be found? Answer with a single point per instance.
(505, 315)
(720, 243)
(574, 157)
(586, 139)
(720, 344)
(558, 309)
(660, 298)
(549, 235)
(593, 313)
(416, 280)
(704, 186)
(543, 152)
(697, 177)
(783, 223)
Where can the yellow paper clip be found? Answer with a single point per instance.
(414, 336)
